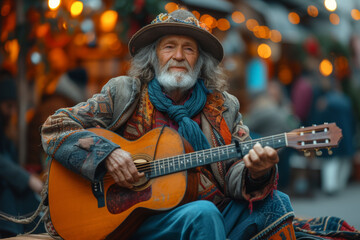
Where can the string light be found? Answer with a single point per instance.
(325, 67)
(223, 24)
(355, 14)
(330, 5)
(54, 4)
(312, 11)
(238, 17)
(76, 8)
(334, 18)
(264, 51)
(294, 18)
(171, 6)
(108, 20)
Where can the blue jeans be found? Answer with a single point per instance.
(202, 220)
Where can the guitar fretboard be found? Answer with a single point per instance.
(183, 162)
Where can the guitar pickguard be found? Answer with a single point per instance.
(119, 199)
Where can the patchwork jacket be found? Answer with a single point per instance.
(65, 138)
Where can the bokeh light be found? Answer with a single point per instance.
(171, 6)
(264, 51)
(334, 18)
(330, 5)
(312, 11)
(76, 8)
(285, 75)
(251, 24)
(223, 24)
(54, 4)
(326, 67)
(275, 36)
(355, 14)
(196, 14)
(108, 20)
(294, 18)
(238, 17)
(209, 21)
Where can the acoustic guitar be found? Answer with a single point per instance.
(81, 209)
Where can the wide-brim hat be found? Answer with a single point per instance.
(179, 22)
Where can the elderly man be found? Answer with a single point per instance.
(175, 81)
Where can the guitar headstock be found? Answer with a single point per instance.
(327, 135)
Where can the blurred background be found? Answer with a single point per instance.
(291, 63)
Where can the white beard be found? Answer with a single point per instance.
(171, 81)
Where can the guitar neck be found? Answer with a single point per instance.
(187, 161)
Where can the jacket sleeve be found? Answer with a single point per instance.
(236, 171)
(65, 138)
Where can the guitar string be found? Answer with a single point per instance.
(166, 162)
(147, 168)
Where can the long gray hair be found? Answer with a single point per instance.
(145, 61)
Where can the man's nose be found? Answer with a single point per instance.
(178, 55)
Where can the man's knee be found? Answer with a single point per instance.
(274, 207)
(202, 209)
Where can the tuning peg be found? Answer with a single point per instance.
(318, 152)
(307, 153)
(330, 152)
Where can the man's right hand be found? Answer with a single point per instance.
(121, 167)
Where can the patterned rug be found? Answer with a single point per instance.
(324, 228)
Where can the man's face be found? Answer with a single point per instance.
(178, 48)
(177, 57)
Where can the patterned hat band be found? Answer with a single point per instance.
(164, 17)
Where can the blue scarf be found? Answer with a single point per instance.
(182, 114)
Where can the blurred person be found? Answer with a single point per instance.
(19, 189)
(330, 104)
(270, 113)
(175, 81)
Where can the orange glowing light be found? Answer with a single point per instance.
(171, 6)
(294, 18)
(262, 32)
(251, 24)
(264, 51)
(13, 48)
(312, 11)
(238, 17)
(42, 30)
(275, 36)
(208, 20)
(334, 18)
(223, 24)
(108, 20)
(196, 14)
(355, 14)
(285, 75)
(326, 67)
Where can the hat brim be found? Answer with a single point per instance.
(152, 32)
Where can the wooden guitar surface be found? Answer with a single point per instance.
(74, 209)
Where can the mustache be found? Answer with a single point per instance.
(174, 63)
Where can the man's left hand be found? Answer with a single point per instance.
(260, 160)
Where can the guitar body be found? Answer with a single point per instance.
(74, 209)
